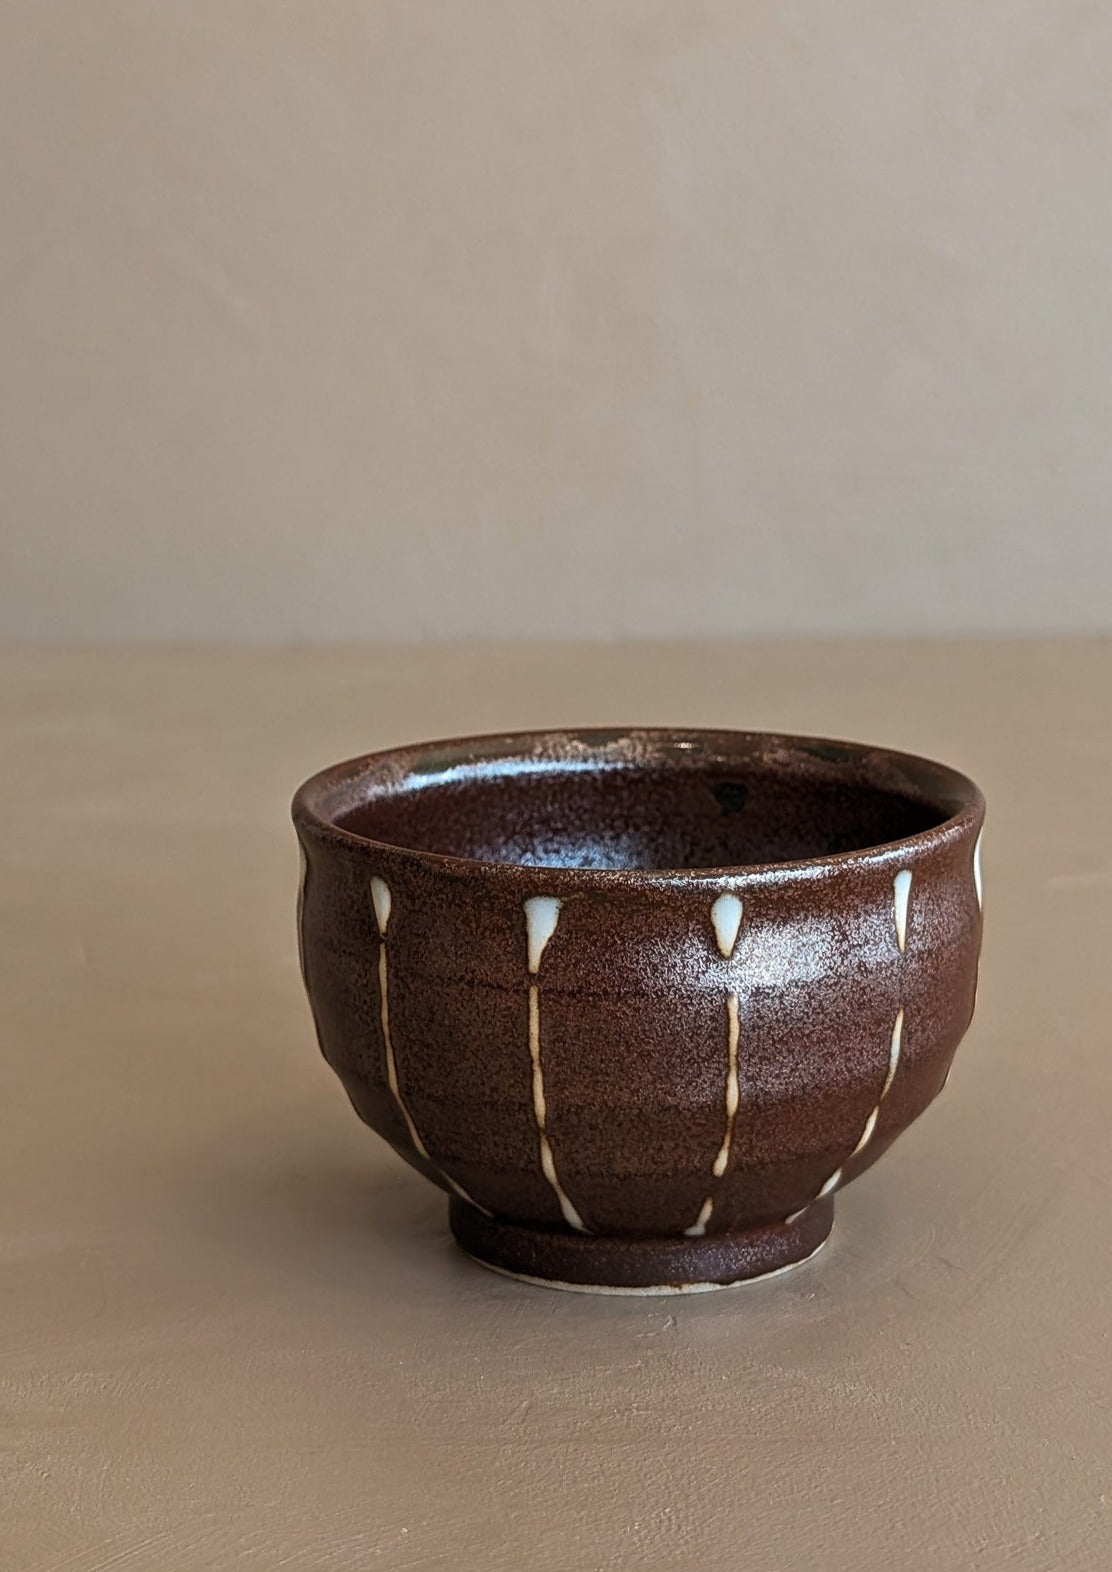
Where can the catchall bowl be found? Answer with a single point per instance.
(640, 1001)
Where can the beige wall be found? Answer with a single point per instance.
(501, 317)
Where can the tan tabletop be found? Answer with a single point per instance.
(234, 1332)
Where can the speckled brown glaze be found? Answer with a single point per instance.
(518, 969)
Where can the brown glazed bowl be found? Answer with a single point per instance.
(640, 1001)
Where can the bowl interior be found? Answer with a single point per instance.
(646, 801)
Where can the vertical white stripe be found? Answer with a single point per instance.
(901, 888)
(725, 914)
(726, 917)
(542, 913)
(699, 1226)
(380, 894)
(387, 1037)
(732, 1089)
(871, 1122)
(893, 1054)
(867, 1132)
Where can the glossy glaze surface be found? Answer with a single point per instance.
(671, 988)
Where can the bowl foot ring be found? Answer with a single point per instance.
(602, 1264)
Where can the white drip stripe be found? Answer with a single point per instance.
(732, 1090)
(901, 893)
(893, 1055)
(725, 916)
(867, 1132)
(699, 1226)
(391, 1062)
(380, 893)
(871, 1122)
(540, 1110)
(542, 913)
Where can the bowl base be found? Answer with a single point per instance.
(602, 1264)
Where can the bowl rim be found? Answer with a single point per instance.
(334, 790)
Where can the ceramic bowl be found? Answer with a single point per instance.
(640, 1001)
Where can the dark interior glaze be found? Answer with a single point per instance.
(645, 809)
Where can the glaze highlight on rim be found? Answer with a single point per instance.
(334, 791)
